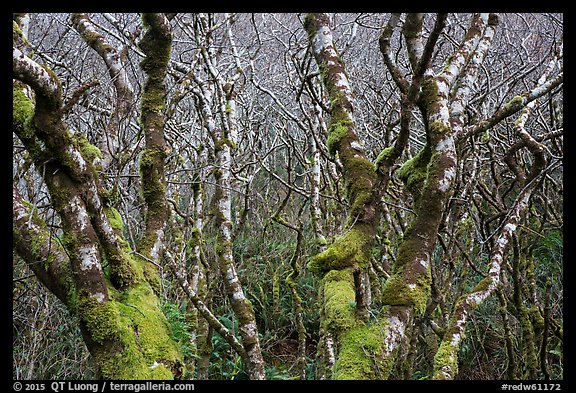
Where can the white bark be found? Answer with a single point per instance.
(33, 74)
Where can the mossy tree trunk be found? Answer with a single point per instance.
(96, 277)
(344, 261)
(156, 45)
(429, 177)
(441, 99)
(365, 184)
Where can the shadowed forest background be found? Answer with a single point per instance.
(288, 196)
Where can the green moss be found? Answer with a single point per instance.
(17, 33)
(483, 285)
(309, 25)
(339, 297)
(114, 218)
(38, 243)
(126, 271)
(351, 249)
(152, 102)
(336, 95)
(513, 103)
(537, 318)
(361, 354)
(360, 174)
(89, 152)
(337, 132)
(396, 292)
(138, 327)
(123, 269)
(430, 94)
(22, 112)
(152, 277)
(384, 156)
(93, 39)
(102, 320)
(438, 127)
(194, 240)
(141, 305)
(361, 177)
(222, 245)
(69, 239)
(445, 361)
(153, 188)
(219, 145)
(150, 157)
(413, 172)
(156, 44)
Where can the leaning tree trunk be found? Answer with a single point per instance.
(342, 266)
(120, 317)
(109, 144)
(224, 135)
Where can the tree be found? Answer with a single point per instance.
(367, 351)
(112, 290)
(271, 196)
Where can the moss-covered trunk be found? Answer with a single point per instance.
(98, 280)
(156, 45)
(343, 311)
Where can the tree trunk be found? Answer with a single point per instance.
(120, 317)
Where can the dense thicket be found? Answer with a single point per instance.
(288, 196)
